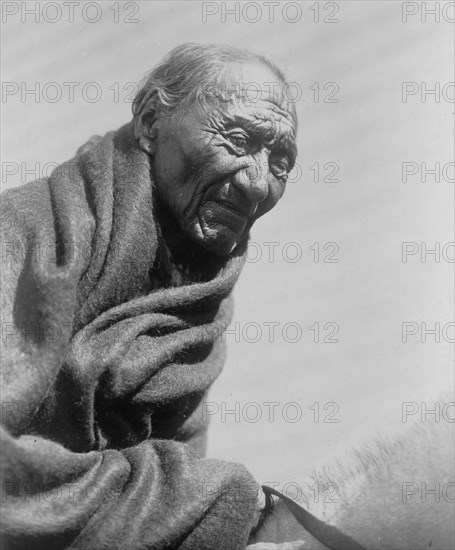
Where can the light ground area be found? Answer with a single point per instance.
(369, 213)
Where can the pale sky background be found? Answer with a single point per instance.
(368, 213)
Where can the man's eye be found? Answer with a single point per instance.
(280, 167)
(239, 141)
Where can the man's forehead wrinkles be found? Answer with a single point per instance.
(264, 122)
(280, 105)
(262, 112)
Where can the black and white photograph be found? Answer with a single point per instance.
(227, 275)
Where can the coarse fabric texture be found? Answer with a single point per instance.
(107, 355)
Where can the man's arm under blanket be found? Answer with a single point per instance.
(155, 494)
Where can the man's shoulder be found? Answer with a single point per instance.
(20, 205)
(94, 140)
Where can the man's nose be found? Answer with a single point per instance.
(252, 180)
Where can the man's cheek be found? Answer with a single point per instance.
(220, 165)
(206, 162)
(208, 172)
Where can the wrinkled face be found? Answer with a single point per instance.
(220, 169)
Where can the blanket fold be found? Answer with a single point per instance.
(107, 357)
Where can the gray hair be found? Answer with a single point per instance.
(191, 73)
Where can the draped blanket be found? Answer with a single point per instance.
(106, 360)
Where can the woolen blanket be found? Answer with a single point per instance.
(107, 354)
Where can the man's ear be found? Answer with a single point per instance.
(146, 128)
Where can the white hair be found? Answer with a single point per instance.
(188, 73)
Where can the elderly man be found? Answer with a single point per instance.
(117, 274)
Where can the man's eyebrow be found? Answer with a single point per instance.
(265, 129)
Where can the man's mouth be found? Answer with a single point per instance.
(216, 197)
(243, 210)
(224, 223)
(223, 212)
